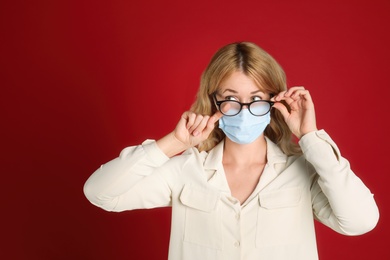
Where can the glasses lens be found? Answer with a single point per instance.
(230, 108)
(259, 108)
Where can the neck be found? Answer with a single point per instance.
(245, 154)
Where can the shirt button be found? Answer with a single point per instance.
(238, 216)
(237, 244)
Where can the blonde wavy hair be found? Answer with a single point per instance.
(257, 64)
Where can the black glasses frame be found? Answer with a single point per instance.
(219, 103)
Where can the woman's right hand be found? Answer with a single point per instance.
(191, 130)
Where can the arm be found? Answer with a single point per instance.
(340, 199)
(107, 186)
(133, 180)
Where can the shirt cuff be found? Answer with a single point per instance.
(315, 138)
(155, 154)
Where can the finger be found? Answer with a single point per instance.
(217, 115)
(293, 96)
(288, 100)
(293, 89)
(290, 91)
(279, 96)
(306, 95)
(201, 126)
(185, 118)
(297, 94)
(303, 98)
(286, 93)
(211, 123)
(282, 109)
(190, 119)
(197, 121)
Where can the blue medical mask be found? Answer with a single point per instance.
(244, 128)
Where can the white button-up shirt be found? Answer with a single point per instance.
(275, 222)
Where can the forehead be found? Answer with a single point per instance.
(239, 82)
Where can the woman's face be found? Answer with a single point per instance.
(241, 88)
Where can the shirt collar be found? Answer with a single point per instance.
(214, 158)
(216, 174)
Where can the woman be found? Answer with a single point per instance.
(242, 189)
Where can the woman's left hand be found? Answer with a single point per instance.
(301, 119)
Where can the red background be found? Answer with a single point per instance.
(80, 80)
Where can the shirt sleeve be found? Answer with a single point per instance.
(340, 199)
(129, 181)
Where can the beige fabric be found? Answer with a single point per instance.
(275, 222)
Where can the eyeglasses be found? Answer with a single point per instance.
(233, 107)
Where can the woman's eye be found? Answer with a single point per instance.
(230, 98)
(256, 98)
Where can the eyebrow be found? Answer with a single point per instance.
(235, 92)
